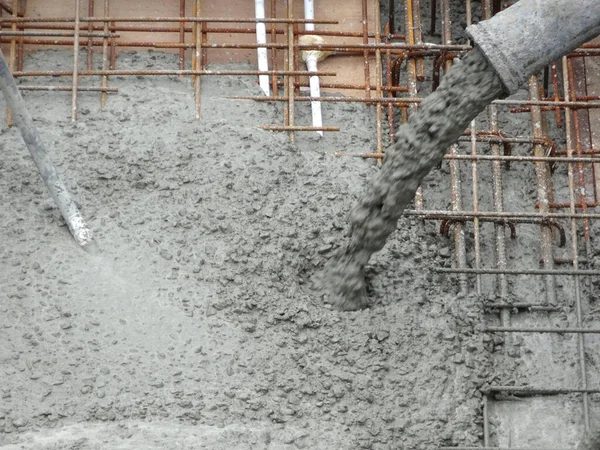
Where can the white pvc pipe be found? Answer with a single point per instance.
(315, 91)
(261, 38)
(309, 14)
(311, 65)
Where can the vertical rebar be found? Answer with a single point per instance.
(181, 36)
(75, 62)
(475, 190)
(113, 47)
(195, 28)
(90, 41)
(388, 84)
(498, 200)
(365, 31)
(198, 50)
(391, 16)
(455, 178)
(576, 116)
(378, 81)
(409, 33)
(274, 84)
(11, 60)
(104, 56)
(21, 46)
(418, 35)
(291, 67)
(556, 92)
(574, 246)
(544, 189)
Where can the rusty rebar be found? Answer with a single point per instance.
(575, 245)
(274, 31)
(365, 30)
(11, 60)
(75, 62)
(290, 67)
(181, 34)
(378, 82)
(544, 189)
(198, 60)
(411, 79)
(105, 57)
(90, 43)
(166, 19)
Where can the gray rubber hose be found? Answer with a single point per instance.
(523, 39)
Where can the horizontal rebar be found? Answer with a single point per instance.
(67, 88)
(556, 159)
(408, 100)
(530, 306)
(443, 214)
(518, 271)
(163, 19)
(502, 448)
(297, 128)
(63, 73)
(526, 390)
(57, 34)
(541, 330)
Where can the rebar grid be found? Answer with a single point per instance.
(485, 146)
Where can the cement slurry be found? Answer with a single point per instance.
(464, 92)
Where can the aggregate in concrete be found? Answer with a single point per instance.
(194, 326)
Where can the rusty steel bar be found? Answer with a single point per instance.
(297, 128)
(113, 48)
(475, 199)
(103, 97)
(166, 19)
(378, 81)
(274, 31)
(219, 30)
(11, 60)
(291, 67)
(181, 34)
(555, 88)
(528, 390)
(90, 42)
(198, 59)
(579, 331)
(54, 34)
(75, 62)
(365, 29)
(418, 38)
(528, 306)
(455, 176)
(194, 32)
(412, 79)
(590, 273)
(575, 246)
(388, 88)
(476, 157)
(204, 34)
(356, 87)
(66, 88)
(576, 69)
(544, 190)
(444, 214)
(21, 46)
(408, 100)
(498, 200)
(59, 73)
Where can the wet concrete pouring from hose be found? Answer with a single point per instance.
(421, 143)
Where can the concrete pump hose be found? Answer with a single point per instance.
(21, 116)
(523, 39)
